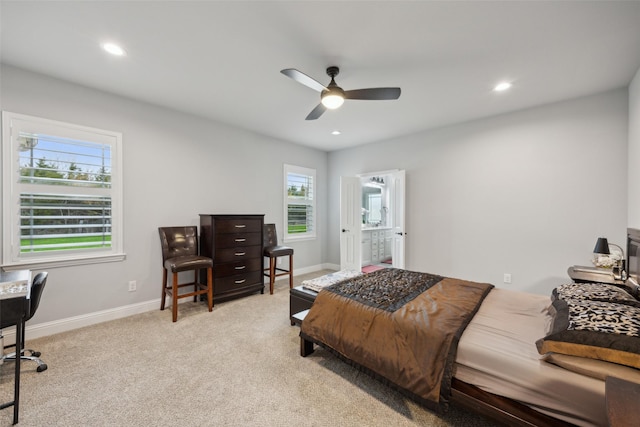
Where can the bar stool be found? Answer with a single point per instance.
(272, 250)
(180, 253)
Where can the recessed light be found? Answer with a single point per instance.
(501, 87)
(114, 49)
(336, 132)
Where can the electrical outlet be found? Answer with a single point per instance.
(132, 285)
(279, 261)
(507, 277)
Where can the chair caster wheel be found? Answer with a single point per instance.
(35, 353)
(41, 368)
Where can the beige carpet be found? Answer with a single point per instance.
(237, 366)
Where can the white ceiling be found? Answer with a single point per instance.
(222, 59)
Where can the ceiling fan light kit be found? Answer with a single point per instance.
(332, 96)
(332, 100)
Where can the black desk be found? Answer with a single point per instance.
(14, 296)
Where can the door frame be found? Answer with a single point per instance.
(350, 218)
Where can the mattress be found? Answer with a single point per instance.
(497, 353)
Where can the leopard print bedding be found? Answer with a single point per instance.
(594, 320)
(600, 316)
(594, 292)
(387, 289)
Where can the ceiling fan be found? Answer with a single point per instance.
(332, 96)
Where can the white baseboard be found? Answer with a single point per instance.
(70, 323)
(327, 266)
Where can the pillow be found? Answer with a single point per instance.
(594, 329)
(593, 368)
(594, 292)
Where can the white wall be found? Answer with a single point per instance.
(525, 193)
(634, 152)
(518, 193)
(176, 166)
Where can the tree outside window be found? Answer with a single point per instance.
(299, 202)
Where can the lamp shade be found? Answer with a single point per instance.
(332, 100)
(333, 97)
(602, 246)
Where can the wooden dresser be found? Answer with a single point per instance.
(234, 242)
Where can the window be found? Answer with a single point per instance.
(300, 202)
(62, 193)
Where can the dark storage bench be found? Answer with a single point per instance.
(300, 299)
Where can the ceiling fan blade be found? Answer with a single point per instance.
(316, 112)
(301, 77)
(378, 93)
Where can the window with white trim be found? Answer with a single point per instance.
(300, 202)
(61, 192)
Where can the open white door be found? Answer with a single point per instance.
(350, 223)
(397, 208)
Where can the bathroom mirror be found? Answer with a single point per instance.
(372, 205)
(373, 202)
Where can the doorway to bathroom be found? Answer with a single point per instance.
(372, 217)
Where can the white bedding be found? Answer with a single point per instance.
(497, 353)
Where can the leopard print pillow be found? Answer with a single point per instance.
(595, 329)
(600, 316)
(594, 292)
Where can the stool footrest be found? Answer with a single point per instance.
(203, 290)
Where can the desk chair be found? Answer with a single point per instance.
(180, 253)
(272, 250)
(10, 311)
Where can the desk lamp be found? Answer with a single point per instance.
(619, 268)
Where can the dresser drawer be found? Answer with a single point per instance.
(238, 281)
(237, 225)
(232, 240)
(237, 254)
(240, 267)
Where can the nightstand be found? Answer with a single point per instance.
(584, 274)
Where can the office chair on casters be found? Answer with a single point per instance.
(272, 250)
(180, 253)
(10, 313)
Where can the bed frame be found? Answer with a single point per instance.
(498, 408)
(501, 409)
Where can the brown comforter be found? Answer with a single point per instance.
(401, 325)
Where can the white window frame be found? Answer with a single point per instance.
(12, 258)
(299, 170)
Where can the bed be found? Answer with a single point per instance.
(508, 355)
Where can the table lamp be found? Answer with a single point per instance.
(619, 268)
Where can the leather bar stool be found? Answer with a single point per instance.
(272, 251)
(180, 253)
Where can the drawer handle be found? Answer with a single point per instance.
(241, 267)
(240, 253)
(240, 226)
(240, 281)
(241, 240)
